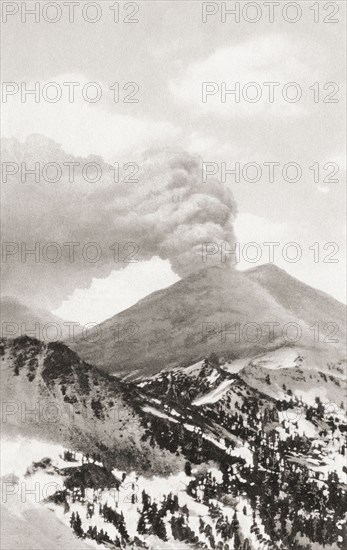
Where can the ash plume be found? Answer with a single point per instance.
(170, 212)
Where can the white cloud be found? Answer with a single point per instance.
(273, 58)
(323, 189)
(84, 128)
(117, 292)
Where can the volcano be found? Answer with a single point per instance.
(233, 314)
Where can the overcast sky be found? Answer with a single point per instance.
(168, 54)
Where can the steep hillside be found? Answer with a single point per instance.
(234, 314)
(47, 392)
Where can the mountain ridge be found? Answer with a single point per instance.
(25, 319)
(213, 310)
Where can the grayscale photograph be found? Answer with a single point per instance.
(173, 275)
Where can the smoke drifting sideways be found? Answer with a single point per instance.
(170, 212)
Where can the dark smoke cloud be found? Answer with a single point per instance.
(169, 213)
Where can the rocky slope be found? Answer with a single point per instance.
(234, 314)
(47, 391)
(266, 453)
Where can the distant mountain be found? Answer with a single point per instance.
(18, 319)
(231, 313)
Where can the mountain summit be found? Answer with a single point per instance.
(233, 314)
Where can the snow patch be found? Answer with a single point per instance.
(215, 395)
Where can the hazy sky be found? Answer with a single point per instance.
(169, 53)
